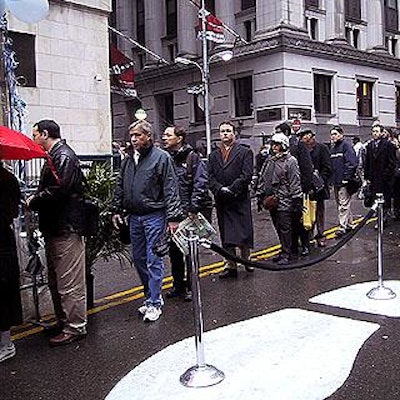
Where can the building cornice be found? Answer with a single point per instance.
(102, 10)
(297, 44)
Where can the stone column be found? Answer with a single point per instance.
(375, 28)
(187, 21)
(336, 22)
(124, 17)
(225, 11)
(153, 29)
(280, 15)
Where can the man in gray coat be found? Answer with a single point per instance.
(230, 173)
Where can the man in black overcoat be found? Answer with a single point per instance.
(230, 172)
(380, 165)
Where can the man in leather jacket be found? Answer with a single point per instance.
(58, 201)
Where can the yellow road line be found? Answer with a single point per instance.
(136, 293)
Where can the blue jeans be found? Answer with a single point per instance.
(144, 231)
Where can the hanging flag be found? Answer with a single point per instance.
(121, 73)
(214, 29)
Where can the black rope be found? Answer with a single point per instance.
(269, 266)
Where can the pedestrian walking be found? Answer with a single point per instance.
(230, 173)
(193, 190)
(59, 202)
(147, 190)
(10, 299)
(280, 192)
(344, 165)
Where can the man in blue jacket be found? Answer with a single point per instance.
(147, 190)
(344, 164)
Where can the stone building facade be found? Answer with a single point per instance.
(64, 71)
(323, 61)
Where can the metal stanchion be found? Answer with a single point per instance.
(380, 292)
(201, 374)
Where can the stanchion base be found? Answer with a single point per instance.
(381, 293)
(202, 376)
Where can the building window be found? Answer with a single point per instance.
(364, 98)
(198, 112)
(352, 36)
(397, 103)
(140, 30)
(165, 107)
(391, 15)
(24, 46)
(243, 90)
(210, 6)
(311, 4)
(352, 10)
(172, 18)
(248, 4)
(322, 94)
(312, 25)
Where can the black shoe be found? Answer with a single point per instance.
(276, 258)
(283, 261)
(53, 330)
(228, 273)
(174, 293)
(188, 296)
(340, 233)
(305, 251)
(249, 269)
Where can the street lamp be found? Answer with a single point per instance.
(225, 55)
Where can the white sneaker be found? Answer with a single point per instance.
(7, 351)
(142, 309)
(152, 314)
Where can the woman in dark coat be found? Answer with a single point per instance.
(230, 172)
(10, 299)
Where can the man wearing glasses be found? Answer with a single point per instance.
(230, 173)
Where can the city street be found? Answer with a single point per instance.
(279, 335)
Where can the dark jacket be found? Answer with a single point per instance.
(380, 165)
(234, 213)
(59, 196)
(149, 186)
(344, 162)
(193, 179)
(299, 150)
(322, 163)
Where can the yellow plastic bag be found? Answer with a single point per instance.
(309, 212)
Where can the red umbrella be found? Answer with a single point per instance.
(17, 146)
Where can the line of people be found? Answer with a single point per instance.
(157, 188)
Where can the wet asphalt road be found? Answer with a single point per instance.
(118, 340)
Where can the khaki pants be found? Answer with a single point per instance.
(66, 271)
(343, 200)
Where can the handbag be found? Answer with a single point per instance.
(309, 212)
(270, 202)
(354, 184)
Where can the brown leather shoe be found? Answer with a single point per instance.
(65, 338)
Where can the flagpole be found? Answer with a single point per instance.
(206, 76)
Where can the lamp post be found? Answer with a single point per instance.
(225, 55)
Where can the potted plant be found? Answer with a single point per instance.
(106, 244)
